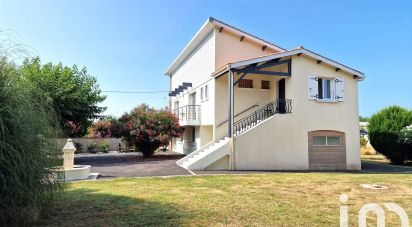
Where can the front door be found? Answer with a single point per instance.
(281, 96)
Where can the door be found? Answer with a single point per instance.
(281, 96)
(327, 150)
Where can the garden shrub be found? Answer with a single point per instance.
(363, 141)
(104, 146)
(405, 141)
(100, 129)
(385, 132)
(92, 148)
(147, 128)
(28, 151)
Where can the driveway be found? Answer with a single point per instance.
(131, 164)
(376, 167)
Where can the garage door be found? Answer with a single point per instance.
(327, 150)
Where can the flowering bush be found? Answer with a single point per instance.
(148, 129)
(100, 129)
(72, 129)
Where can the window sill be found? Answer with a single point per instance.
(326, 100)
(265, 89)
(244, 88)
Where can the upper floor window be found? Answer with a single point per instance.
(326, 89)
(207, 92)
(245, 83)
(265, 84)
(204, 93)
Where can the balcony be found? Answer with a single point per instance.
(188, 115)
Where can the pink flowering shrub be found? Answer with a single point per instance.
(148, 128)
(100, 129)
(71, 129)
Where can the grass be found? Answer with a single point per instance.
(375, 158)
(280, 199)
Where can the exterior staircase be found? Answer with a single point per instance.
(206, 155)
(214, 151)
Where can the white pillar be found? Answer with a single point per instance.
(68, 155)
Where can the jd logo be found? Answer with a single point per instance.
(372, 207)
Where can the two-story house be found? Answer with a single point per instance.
(247, 104)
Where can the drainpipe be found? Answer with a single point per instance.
(231, 118)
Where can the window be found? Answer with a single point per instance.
(201, 94)
(176, 107)
(207, 92)
(245, 83)
(326, 140)
(325, 88)
(265, 84)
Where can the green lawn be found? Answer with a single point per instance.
(279, 199)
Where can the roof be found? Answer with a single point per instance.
(210, 24)
(300, 50)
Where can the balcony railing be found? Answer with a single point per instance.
(188, 115)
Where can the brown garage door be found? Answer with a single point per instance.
(327, 150)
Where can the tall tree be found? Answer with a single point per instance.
(74, 94)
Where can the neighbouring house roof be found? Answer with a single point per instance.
(363, 132)
(363, 124)
(301, 50)
(210, 24)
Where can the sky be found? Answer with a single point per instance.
(127, 45)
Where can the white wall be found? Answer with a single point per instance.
(197, 69)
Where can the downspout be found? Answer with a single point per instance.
(231, 118)
(170, 108)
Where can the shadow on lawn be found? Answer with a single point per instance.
(84, 207)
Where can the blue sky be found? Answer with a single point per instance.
(128, 45)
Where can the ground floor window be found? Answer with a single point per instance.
(326, 140)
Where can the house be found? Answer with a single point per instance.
(248, 104)
(363, 127)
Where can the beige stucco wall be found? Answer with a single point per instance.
(229, 48)
(244, 98)
(205, 134)
(281, 142)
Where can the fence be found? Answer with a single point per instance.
(83, 143)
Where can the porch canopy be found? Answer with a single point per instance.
(260, 65)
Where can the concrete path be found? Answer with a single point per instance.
(132, 164)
